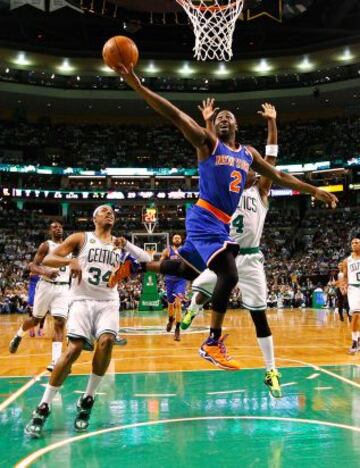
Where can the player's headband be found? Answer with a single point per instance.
(96, 211)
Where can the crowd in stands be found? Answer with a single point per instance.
(100, 146)
(299, 253)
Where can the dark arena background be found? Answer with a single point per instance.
(74, 135)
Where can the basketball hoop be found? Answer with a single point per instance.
(149, 218)
(214, 25)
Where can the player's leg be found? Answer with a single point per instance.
(202, 289)
(171, 304)
(355, 332)
(177, 307)
(41, 326)
(213, 349)
(59, 310)
(41, 306)
(58, 375)
(105, 327)
(57, 341)
(252, 283)
(340, 304)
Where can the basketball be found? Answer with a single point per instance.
(120, 50)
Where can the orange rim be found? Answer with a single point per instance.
(184, 3)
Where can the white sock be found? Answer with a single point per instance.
(56, 350)
(267, 348)
(355, 335)
(93, 383)
(193, 304)
(21, 332)
(137, 252)
(49, 394)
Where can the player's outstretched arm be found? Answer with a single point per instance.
(57, 258)
(289, 181)
(198, 136)
(269, 113)
(36, 266)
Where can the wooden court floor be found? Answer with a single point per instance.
(162, 405)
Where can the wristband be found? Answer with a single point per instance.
(272, 150)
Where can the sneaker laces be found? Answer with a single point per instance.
(222, 347)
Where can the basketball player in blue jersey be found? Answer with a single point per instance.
(175, 288)
(223, 166)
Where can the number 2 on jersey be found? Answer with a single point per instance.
(235, 184)
(238, 223)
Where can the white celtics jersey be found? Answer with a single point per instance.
(63, 272)
(248, 220)
(353, 271)
(97, 260)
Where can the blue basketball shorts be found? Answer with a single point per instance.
(175, 288)
(206, 236)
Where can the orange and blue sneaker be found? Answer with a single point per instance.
(215, 352)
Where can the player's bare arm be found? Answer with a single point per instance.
(344, 283)
(164, 255)
(289, 181)
(57, 258)
(201, 138)
(36, 266)
(269, 113)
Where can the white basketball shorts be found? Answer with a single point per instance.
(50, 297)
(354, 298)
(252, 281)
(89, 319)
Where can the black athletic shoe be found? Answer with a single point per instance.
(177, 334)
(39, 416)
(14, 344)
(84, 407)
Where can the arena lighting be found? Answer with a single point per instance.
(152, 68)
(21, 59)
(65, 66)
(354, 186)
(106, 69)
(305, 64)
(222, 70)
(346, 55)
(87, 177)
(186, 69)
(332, 188)
(263, 66)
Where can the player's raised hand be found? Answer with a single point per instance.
(208, 109)
(326, 197)
(268, 111)
(120, 242)
(75, 269)
(128, 74)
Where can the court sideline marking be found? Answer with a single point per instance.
(21, 390)
(39, 453)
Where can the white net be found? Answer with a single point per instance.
(214, 24)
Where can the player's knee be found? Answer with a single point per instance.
(73, 350)
(59, 323)
(232, 278)
(106, 341)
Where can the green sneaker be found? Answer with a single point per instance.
(188, 318)
(272, 380)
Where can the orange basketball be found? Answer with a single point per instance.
(120, 50)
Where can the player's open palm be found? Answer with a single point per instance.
(75, 269)
(268, 111)
(208, 109)
(326, 197)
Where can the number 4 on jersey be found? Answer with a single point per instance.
(238, 223)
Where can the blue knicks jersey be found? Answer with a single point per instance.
(173, 255)
(223, 177)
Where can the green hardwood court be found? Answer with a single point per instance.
(191, 419)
